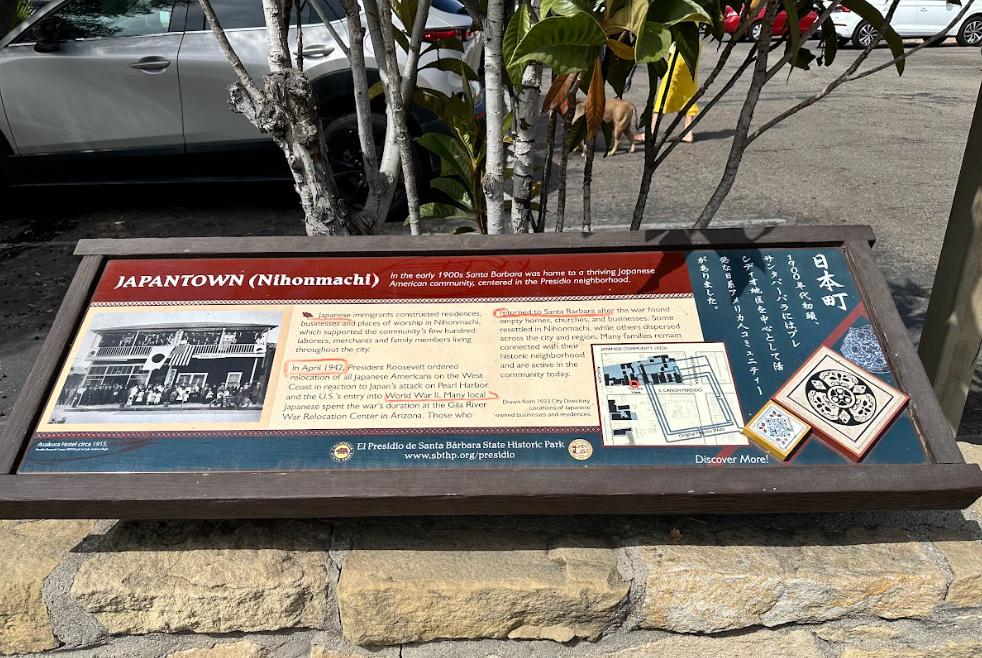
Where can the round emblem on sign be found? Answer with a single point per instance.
(580, 449)
(341, 452)
(840, 397)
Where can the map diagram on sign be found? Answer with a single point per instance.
(668, 394)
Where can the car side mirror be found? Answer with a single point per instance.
(46, 32)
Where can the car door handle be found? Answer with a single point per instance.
(151, 64)
(317, 50)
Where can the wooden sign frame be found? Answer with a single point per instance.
(944, 481)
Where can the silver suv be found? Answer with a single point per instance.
(96, 91)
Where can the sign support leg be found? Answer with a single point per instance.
(953, 325)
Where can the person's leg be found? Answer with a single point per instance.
(654, 121)
(688, 121)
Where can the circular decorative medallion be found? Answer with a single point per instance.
(840, 397)
(580, 449)
(341, 452)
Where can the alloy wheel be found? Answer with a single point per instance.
(973, 32)
(866, 35)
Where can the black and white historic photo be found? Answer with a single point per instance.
(194, 366)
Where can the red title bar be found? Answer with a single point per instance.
(436, 277)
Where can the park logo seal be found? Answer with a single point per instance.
(341, 452)
(580, 449)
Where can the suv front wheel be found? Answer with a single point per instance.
(344, 152)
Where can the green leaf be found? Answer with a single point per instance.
(831, 41)
(671, 12)
(794, 35)
(375, 91)
(565, 7)
(434, 210)
(577, 133)
(872, 15)
(802, 59)
(653, 43)
(453, 189)
(447, 43)
(452, 65)
(564, 43)
(450, 151)
(686, 37)
(716, 10)
(618, 71)
(407, 14)
(455, 111)
(630, 17)
(608, 131)
(518, 27)
(463, 229)
(401, 39)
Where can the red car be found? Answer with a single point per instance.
(732, 21)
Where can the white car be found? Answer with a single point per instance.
(913, 19)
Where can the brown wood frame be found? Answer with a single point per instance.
(945, 481)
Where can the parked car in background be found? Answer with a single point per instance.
(101, 91)
(731, 21)
(912, 19)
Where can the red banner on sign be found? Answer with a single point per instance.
(437, 277)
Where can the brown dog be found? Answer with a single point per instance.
(619, 114)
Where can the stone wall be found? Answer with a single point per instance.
(806, 586)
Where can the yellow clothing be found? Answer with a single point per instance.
(681, 86)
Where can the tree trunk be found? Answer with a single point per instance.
(289, 114)
(396, 106)
(591, 145)
(494, 171)
(570, 111)
(286, 109)
(739, 146)
(526, 120)
(563, 167)
(540, 225)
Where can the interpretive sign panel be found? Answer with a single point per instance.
(545, 373)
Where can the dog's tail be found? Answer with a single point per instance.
(637, 115)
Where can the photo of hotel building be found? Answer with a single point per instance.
(222, 361)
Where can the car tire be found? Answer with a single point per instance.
(863, 36)
(753, 34)
(344, 152)
(970, 33)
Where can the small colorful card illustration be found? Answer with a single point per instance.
(846, 406)
(776, 430)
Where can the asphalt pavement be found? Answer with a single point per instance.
(885, 151)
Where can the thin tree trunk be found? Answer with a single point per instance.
(564, 155)
(286, 110)
(494, 171)
(739, 146)
(540, 225)
(650, 137)
(397, 109)
(380, 187)
(563, 166)
(591, 145)
(526, 120)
